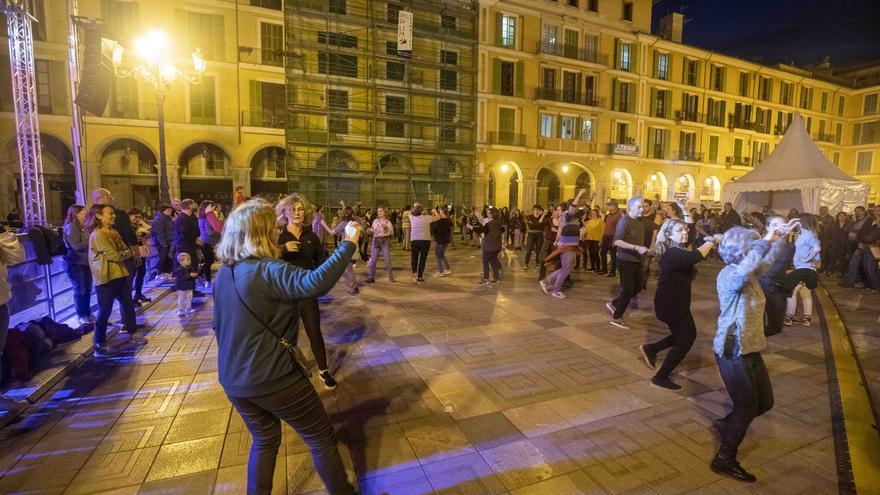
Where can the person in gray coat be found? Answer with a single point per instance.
(163, 229)
(76, 261)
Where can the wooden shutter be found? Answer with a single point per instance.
(616, 54)
(218, 40)
(58, 86)
(667, 99)
(653, 102)
(650, 151)
(256, 103)
(520, 79)
(615, 91)
(631, 98)
(657, 64)
(496, 76)
(498, 22)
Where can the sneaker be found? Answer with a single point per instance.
(11, 405)
(436, 274)
(447, 273)
(649, 357)
(611, 275)
(327, 380)
(83, 320)
(619, 323)
(537, 267)
(134, 339)
(526, 268)
(665, 383)
(191, 310)
(494, 282)
(420, 280)
(181, 313)
(610, 307)
(370, 280)
(805, 321)
(483, 282)
(788, 321)
(544, 287)
(104, 351)
(142, 298)
(414, 277)
(731, 469)
(391, 278)
(557, 294)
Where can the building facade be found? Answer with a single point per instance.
(576, 93)
(505, 103)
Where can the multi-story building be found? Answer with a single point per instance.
(369, 122)
(568, 93)
(576, 93)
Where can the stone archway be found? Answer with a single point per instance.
(656, 185)
(59, 180)
(205, 173)
(269, 171)
(549, 187)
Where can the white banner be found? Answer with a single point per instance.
(404, 32)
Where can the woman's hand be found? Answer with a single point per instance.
(291, 246)
(353, 232)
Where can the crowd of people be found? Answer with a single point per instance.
(277, 259)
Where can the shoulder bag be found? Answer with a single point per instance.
(296, 355)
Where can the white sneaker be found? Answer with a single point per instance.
(415, 277)
(134, 339)
(191, 310)
(447, 272)
(544, 287)
(84, 320)
(619, 323)
(436, 274)
(610, 308)
(557, 295)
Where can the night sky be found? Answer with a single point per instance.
(782, 31)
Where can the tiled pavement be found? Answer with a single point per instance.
(445, 388)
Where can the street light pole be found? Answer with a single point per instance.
(164, 195)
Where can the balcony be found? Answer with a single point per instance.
(567, 145)
(825, 138)
(688, 116)
(572, 52)
(506, 138)
(737, 160)
(553, 94)
(659, 153)
(687, 156)
(260, 56)
(136, 111)
(270, 119)
(739, 123)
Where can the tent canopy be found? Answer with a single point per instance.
(796, 175)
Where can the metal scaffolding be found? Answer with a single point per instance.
(24, 94)
(365, 123)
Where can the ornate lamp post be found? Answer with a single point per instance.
(158, 69)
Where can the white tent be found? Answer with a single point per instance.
(796, 175)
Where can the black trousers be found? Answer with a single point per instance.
(207, 261)
(533, 243)
(593, 249)
(774, 309)
(630, 285)
(490, 258)
(163, 264)
(608, 250)
(748, 385)
(683, 332)
(299, 407)
(546, 248)
(310, 314)
(419, 256)
(118, 289)
(139, 273)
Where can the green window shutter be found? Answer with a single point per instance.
(650, 151)
(256, 100)
(496, 76)
(631, 100)
(498, 21)
(667, 98)
(520, 79)
(616, 54)
(615, 91)
(58, 86)
(218, 40)
(653, 102)
(656, 64)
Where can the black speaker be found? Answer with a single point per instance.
(96, 76)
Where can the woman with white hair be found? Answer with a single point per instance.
(740, 339)
(256, 321)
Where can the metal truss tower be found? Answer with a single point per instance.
(24, 95)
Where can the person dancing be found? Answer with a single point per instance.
(672, 301)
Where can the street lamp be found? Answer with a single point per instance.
(158, 69)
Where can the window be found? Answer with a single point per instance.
(395, 105)
(627, 11)
(395, 71)
(690, 71)
(206, 33)
(716, 112)
(661, 66)
(547, 125)
(718, 78)
(763, 120)
(508, 31)
(765, 91)
(337, 99)
(343, 40)
(338, 64)
(506, 125)
(446, 111)
(593, 5)
(548, 39)
(591, 47)
(690, 107)
(841, 100)
(44, 86)
(337, 7)
(118, 15)
(448, 57)
(744, 81)
(624, 97)
(713, 149)
(508, 70)
(737, 150)
(823, 103)
(622, 133)
(549, 79)
(449, 79)
(203, 102)
(786, 90)
(570, 44)
(391, 13)
(660, 103)
(624, 56)
(567, 126)
(864, 162)
(866, 132)
(688, 146)
(806, 97)
(123, 101)
(760, 150)
(838, 133)
(587, 130)
(267, 4)
(271, 44)
(570, 87)
(266, 104)
(869, 106)
(657, 139)
(590, 90)
(448, 21)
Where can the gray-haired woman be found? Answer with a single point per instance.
(740, 339)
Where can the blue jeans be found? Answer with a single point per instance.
(81, 280)
(440, 254)
(748, 385)
(863, 261)
(555, 279)
(490, 258)
(118, 289)
(382, 244)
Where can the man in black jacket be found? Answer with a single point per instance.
(729, 218)
(163, 232)
(186, 230)
(491, 245)
(535, 229)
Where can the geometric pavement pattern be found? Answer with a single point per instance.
(444, 388)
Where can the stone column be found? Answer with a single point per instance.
(529, 193)
(481, 186)
(241, 176)
(174, 190)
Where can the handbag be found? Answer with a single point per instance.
(296, 355)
